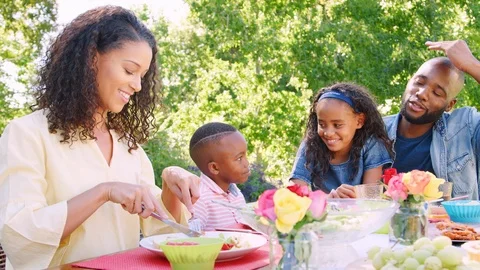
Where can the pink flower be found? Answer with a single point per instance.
(319, 203)
(416, 181)
(396, 189)
(301, 191)
(265, 206)
(388, 174)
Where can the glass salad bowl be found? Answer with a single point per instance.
(348, 220)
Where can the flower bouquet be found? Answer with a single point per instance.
(411, 190)
(287, 210)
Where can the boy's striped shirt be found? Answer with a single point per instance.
(211, 215)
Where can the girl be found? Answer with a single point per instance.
(73, 177)
(345, 143)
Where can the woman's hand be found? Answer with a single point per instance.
(130, 196)
(182, 183)
(133, 197)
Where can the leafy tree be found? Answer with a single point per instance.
(23, 25)
(256, 63)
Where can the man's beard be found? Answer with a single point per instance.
(427, 118)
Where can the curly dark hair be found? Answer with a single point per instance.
(318, 156)
(68, 88)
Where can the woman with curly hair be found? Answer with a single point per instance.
(345, 143)
(74, 181)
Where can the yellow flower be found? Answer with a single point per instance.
(289, 208)
(431, 191)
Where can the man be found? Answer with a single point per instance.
(426, 134)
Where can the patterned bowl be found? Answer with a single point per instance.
(463, 211)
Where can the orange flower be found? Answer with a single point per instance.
(416, 181)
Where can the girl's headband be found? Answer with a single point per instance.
(340, 96)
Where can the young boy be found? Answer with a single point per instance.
(220, 152)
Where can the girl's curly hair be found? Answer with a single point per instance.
(68, 89)
(317, 154)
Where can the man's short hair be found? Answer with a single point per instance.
(209, 132)
(460, 77)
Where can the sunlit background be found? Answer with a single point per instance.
(253, 64)
(175, 11)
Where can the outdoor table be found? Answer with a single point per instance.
(360, 248)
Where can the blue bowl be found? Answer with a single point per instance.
(463, 211)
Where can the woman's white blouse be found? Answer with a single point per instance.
(38, 174)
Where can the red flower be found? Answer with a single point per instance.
(388, 174)
(301, 191)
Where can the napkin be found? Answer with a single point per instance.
(141, 258)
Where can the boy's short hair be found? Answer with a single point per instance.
(205, 134)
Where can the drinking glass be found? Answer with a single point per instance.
(446, 189)
(369, 191)
(436, 212)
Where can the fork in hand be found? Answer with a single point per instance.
(183, 229)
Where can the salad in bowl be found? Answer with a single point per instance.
(348, 220)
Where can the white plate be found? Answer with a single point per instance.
(254, 240)
(237, 230)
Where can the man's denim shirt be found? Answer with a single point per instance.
(455, 148)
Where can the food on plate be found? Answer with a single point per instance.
(185, 243)
(423, 254)
(456, 231)
(233, 242)
(437, 213)
(473, 250)
(230, 242)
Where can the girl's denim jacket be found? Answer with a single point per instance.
(455, 148)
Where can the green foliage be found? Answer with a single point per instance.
(162, 155)
(256, 184)
(23, 24)
(256, 64)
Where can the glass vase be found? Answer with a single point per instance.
(409, 223)
(291, 251)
